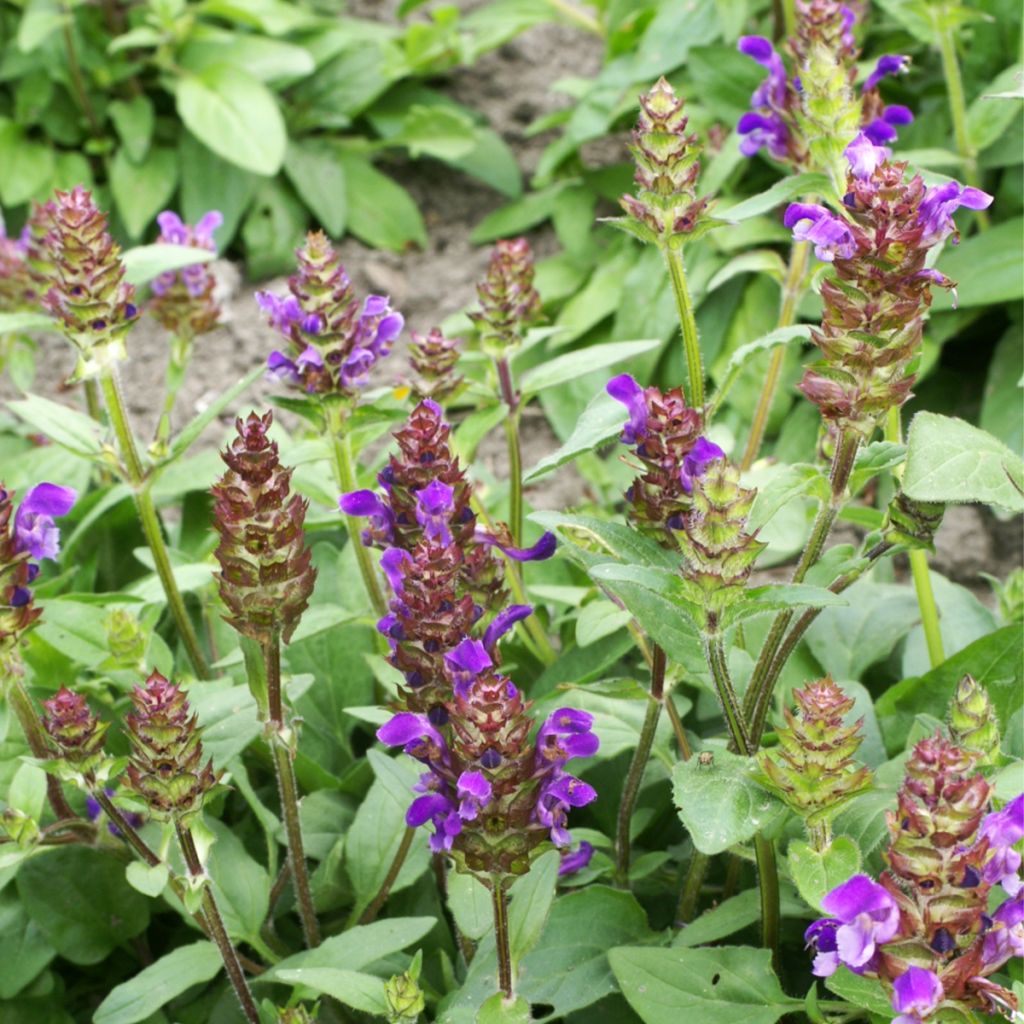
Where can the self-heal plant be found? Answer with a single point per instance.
(434, 357)
(266, 579)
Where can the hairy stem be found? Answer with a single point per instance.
(345, 474)
(218, 932)
(499, 901)
(370, 913)
(181, 350)
(768, 885)
(515, 458)
(688, 325)
(791, 291)
(78, 87)
(150, 520)
(714, 652)
(637, 766)
(689, 898)
(682, 741)
(121, 823)
(288, 789)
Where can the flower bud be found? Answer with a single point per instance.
(75, 731)
(913, 524)
(403, 995)
(166, 768)
(509, 303)
(20, 828)
(17, 289)
(126, 639)
(266, 577)
(973, 724)
(433, 357)
(86, 292)
(298, 1015)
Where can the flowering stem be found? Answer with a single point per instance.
(288, 790)
(75, 71)
(150, 521)
(714, 652)
(181, 347)
(685, 750)
(689, 898)
(688, 325)
(641, 755)
(218, 933)
(345, 473)
(370, 913)
(957, 103)
(919, 566)
(768, 885)
(35, 736)
(791, 291)
(121, 823)
(499, 900)
(789, 16)
(515, 458)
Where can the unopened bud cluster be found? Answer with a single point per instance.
(973, 723)
(509, 303)
(433, 356)
(913, 524)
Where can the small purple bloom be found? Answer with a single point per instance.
(821, 937)
(625, 389)
(915, 995)
(771, 92)
(441, 811)
(205, 227)
(864, 156)
(391, 563)
(890, 64)
(465, 662)
(434, 507)
(474, 792)
(1005, 939)
(503, 622)
(558, 793)
(939, 204)
(414, 733)
(830, 236)
(849, 17)
(539, 552)
(566, 734)
(763, 130)
(697, 460)
(362, 503)
(869, 918)
(34, 528)
(1004, 829)
(172, 227)
(575, 861)
(281, 368)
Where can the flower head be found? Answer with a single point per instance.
(509, 302)
(830, 235)
(34, 527)
(916, 994)
(183, 299)
(867, 917)
(940, 202)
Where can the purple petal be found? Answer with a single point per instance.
(543, 549)
(172, 228)
(406, 727)
(572, 791)
(696, 462)
(466, 661)
(425, 808)
(858, 895)
(362, 503)
(756, 47)
(918, 991)
(503, 622)
(391, 563)
(797, 212)
(895, 113)
(890, 64)
(576, 861)
(878, 132)
(625, 389)
(206, 225)
(34, 528)
(864, 156)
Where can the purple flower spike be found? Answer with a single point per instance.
(625, 389)
(465, 663)
(830, 236)
(890, 64)
(941, 202)
(915, 995)
(577, 860)
(697, 460)
(34, 528)
(474, 792)
(869, 917)
(503, 622)
(864, 156)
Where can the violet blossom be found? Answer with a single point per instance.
(703, 453)
(34, 528)
(940, 202)
(864, 916)
(1003, 830)
(831, 236)
(916, 994)
(174, 231)
(1004, 940)
(575, 860)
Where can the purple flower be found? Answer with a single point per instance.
(867, 917)
(849, 17)
(697, 460)
(283, 311)
(830, 235)
(763, 130)
(474, 792)
(1003, 830)
(504, 621)
(939, 204)
(441, 811)
(890, 64)
(34, 528)
(416, 734)
(575, 861)
(378, 326)
(93, 811)
(174, 231)
(772, 91)
(564, 735)
(821, 937)
(1005, 939)
(391, 563)
(625, 389)
(539, 552)
(864, 156)
(558, 793)
(464, 663)
(882, 129)
(434, 506)
(915, 995)
(367, 503)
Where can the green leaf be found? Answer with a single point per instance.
(272, 230)
(1002, 409)
(377, 831)
(986, 268)
(783, 190)
(13, 323)
(729, 917)
(133, 120)
(380, 212)
(156, 985)
(741, 357)
(315, 169)
(240, 883)
(532, 209)
(26, 166)
(24, 951)
(860, 991)
(192, 431)
(235, 115)
(363, 992)
(720, 803)
(269, 60)
(773, 596)
(142, 190)
(755, 261)
(210, 183)
(819, 872)
(987, 117)
(557, 371)
(569, 967)
(39, 20)
(598, 538)
(66, 426)
(530, 902)
(79, 899)
(470, 903)
(994, 660)
(496, 1010)
(598, 620)
(149, 880)
(727, 985)
(949, 460)
(445, 133)
(601, 421)
(145, 262)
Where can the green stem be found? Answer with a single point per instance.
(768, 885)
(789, 17)
(714, 652)
(791, 292)
(36, 738)
(581, 18)
(218, 932)
(288, 789)
(515, 458)
(370, 914)
(121, 823)
(685, 750)
(345, 473)
(499, 901)
(688, 325)
(150, 521)
(75, 71)
(634, 777)
(689, 898)
(181, 349)
(958, 103)
(919, 565)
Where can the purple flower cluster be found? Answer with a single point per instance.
(35, 531)
(174, 231)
